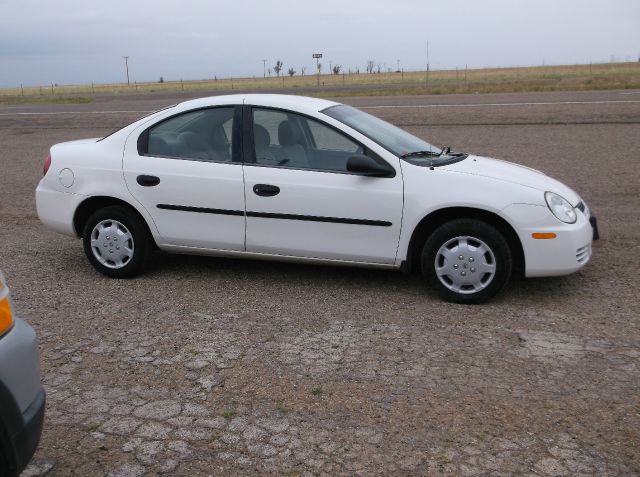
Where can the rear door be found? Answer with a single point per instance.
(186, 171)
(301, 200)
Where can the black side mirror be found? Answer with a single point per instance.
(367, 166)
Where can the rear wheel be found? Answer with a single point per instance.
(116, 242)
(467, 261)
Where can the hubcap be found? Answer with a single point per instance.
(465, 265)
(112, 244)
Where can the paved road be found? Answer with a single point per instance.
(146, 102)
(213, 366)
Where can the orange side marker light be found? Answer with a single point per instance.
(543, 235)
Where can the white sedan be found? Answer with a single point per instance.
(304, 179)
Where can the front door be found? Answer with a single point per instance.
(301, 200)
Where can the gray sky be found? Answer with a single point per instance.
(79, 41)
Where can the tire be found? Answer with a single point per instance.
(116, 242)
(4, 465)
(483, 270)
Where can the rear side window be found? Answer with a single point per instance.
(201, 135)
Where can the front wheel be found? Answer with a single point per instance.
(467, 261)
(116, 242)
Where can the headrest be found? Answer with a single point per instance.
(192, 141)
(261, 136)
(288, 134)
(218, 137)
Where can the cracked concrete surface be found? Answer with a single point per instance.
(167, 422)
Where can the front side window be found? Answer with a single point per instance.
(202, 135)
(286, 139)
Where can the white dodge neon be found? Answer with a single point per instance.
(304, 179)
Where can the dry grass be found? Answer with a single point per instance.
(492, 80)
(9, 99)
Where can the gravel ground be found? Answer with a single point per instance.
(209, 366)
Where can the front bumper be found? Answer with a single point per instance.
(567, 253)
(20, 433)
(22, 398)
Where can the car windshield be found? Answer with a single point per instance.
(392, 138)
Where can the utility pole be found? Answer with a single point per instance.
(126, 65)
(264, 68)
(427, 78)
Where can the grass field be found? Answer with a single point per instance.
(491, 80)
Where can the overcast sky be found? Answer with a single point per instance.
(79, 41)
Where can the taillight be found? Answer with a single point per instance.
(47, 165)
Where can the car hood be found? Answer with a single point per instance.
(514, 173)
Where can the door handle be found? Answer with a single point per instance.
(266, 190)
(148, 181)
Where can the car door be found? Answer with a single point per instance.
(186, 171)
(300, 199)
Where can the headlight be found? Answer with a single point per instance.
(6, 317)
(560, 207)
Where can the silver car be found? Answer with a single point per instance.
(22, 397)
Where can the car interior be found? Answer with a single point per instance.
(201, 135)
(281, 139)
(290, 140)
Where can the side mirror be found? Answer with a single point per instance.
(367, 166)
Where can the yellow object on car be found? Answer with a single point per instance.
(6, 317)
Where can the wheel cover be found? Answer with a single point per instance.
(465, 265)
(112, 244)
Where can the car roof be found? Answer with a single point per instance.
(284, 101)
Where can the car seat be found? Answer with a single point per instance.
(290, 138)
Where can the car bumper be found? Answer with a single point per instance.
(566, 253)
(20, 436)
(22, 398)
(56, 209)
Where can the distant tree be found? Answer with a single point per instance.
(319, 67)
(336, 69)
(357, 70)
(303, 70)
(370, 66)
(161, 80)
(269, 70)
(278, 67)
(291, 72)
(379, 68)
